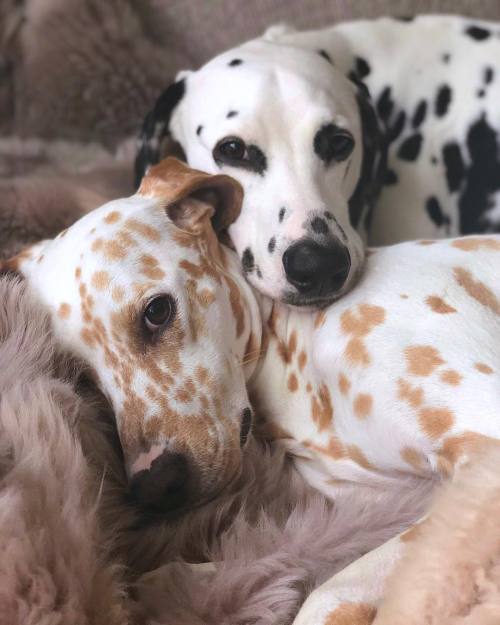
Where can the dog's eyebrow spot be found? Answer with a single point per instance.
(281, 214)
(325, 55)
(199, 129)
(319, 226)
(271, 245)
(235, 62)
(231, 114)
(248, 260)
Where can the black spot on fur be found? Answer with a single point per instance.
(481, 93)
(443, 100)
(235, 62)
(434, 160)
(247, 260)
(199, 129)
(396, 129)
(410, 147)
(319, 226)
(231, 114)
(488, 76)
(454, 166)
(419, 114)
(362, 68)
(478, 33)
(328, 215)
(404, 18)
(446, 57)
(326, 56)
(257, 160)
(390, 177)
(281, 214)
(482, 177)
(435, 212)
(271, 245)
(385, 104)
(259, 273)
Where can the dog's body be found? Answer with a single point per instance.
(400, 377)
(435, 90)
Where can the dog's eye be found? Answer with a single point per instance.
(229, 150)
(159, 312)
(332, 143)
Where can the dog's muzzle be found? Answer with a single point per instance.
(317, 270)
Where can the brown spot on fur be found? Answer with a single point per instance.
(426, 242)
(359, 325)
(319, 319)
(150, 268)
(114, 251)
(357, 353)
(64, 310)
(112, 218)
(363, 404)
(322, 409)
(435, 421)
(87, 337)
(97, 245)
(414, 396)
(308, 387)
(451, 377)
(403, 296)
(287, 350)
(422, 360)
(78, 273)
(118, 294)
(302, 360)
(293, 383)
(334, 449)
(344, 384)
(472, 244)
(145, 230)
(477, 289)
(438, 305)
(483, 368)
(357, 456)
(460, 447)
(100, 280)
(352, 614)
(414, 458)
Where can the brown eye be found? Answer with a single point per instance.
(159, 312)
(229, 150)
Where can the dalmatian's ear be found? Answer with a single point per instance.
(191, 196)
(374, 163)
(276, 31)
(155, 129)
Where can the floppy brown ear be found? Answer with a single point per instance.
(190, 196)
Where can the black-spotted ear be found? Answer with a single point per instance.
(374, 163)
(155, 130)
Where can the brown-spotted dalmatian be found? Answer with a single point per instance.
(290, 116)
(401, 376)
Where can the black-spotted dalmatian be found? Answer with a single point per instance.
(290, 116)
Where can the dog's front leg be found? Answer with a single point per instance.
(351, 596)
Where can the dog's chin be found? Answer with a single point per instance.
(322, 300)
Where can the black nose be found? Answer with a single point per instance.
(317, 269)
(163, 487)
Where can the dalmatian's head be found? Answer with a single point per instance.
(140, 292)
(300, 138)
